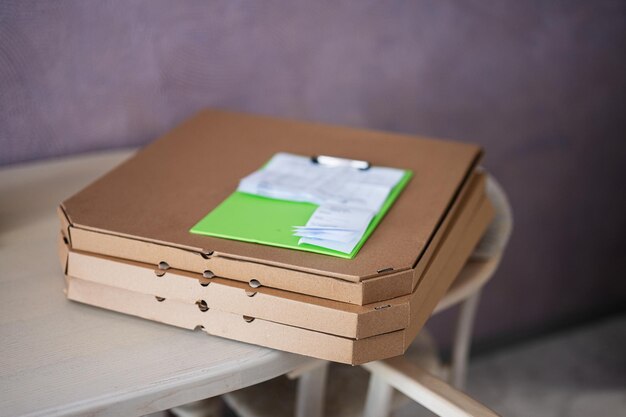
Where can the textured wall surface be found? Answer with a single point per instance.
(541, 85)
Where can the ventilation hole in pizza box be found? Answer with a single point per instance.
(254, 283)
(159, 272)
(66, 240)
(164, 266)
(206, 253)
(382, 307)
(208, 274)
(198, 327)
(250, 293)
(159, 299)
(248, 319)
(202, 305)
(382, 271)
(204, 282)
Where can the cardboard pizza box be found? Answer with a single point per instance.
(143, 209)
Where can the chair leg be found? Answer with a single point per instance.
(379, 395)
(310, 392)
(425, 389)
(462, 341)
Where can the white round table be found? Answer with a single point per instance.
(58, 357)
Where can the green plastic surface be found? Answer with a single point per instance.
(251, 218)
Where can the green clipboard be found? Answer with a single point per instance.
(268, 221)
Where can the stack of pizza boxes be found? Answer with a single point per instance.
(125, 241)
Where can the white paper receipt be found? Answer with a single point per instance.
(348, 198)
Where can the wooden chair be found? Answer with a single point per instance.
(418, 374)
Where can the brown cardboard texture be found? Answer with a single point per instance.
(267, 333)
(237, 327)
(433, 290)
(160, 193)
(65, 225)
(63, 252)
(275, 305)
(372, 290)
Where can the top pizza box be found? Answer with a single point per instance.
(143, 210)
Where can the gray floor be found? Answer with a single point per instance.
(578, 373)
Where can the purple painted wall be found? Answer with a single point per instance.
(541, 85)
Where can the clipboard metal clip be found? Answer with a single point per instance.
(332, 161)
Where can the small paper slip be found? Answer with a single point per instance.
(345, 247)
(348, 198)
(343, 236)
(335, 227)
(328, 217)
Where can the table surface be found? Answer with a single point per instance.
(58, 357)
